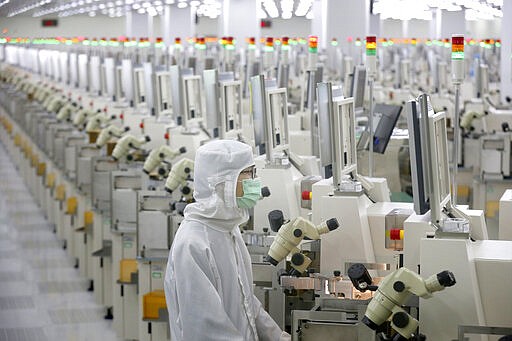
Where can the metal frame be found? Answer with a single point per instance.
(343, 123)
(83, 80)
(127, 75)
(439, 170)
(192, 95)
(228, 112)
(277, 122)
(162, 91)
(481, 330)
(110, 77)
(176, 92)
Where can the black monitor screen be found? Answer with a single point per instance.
(386, 116)
(418, 167)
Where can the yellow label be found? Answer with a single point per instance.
(71, 206)
(88, 218)
(60, 193)
(41, 168)
(50, 180)
(463, 191)
(492, 208)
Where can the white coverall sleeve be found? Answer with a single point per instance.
(267, 328)
(201, 311)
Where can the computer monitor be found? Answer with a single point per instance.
(419, 160)
(358, 87)
(385, 118)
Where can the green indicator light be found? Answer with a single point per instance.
(285, 47)
(268, 49)
(334, 43)
(200, 47)
(457, 55)
(313, 50)
(358, 43)
(94, 43)
(482, 44)
(428, 43)
(498, 45)
(293, 42)
(371, 52)
(252, 47)
(230, 47)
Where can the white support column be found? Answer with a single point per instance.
(346, 18)
(166, 26)
(179, 22)
(128, 24)
(151, 31)
(136, 25)
(405, 29)
(375, 25)
(453, 23)
(239, 20)
(318, 26)
(506, 51)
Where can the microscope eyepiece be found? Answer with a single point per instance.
(332, 224)
(358, 274)
(265, 192)
(272, 260)
(276, 220)
(446, 278)
(369, 323)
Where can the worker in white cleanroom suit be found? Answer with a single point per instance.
(208, 282)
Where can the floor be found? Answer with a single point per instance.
(42, 296)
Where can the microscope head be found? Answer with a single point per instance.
(126, 143)
(394, 291)
(179, 174)
(159, 155)
(96, 121)
(290, 234)
(80, 117)
(107, 133)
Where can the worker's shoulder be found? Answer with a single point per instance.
(190, 235)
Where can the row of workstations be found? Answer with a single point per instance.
(115, 211)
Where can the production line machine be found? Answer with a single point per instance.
(91, 197)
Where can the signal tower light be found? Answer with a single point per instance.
(371, 54)
(457, 47)
(285, 43)
(371, 45)
(313, 44)
(269, 44)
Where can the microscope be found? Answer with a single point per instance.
(82, 115)
(96, 121)
(289, 235)
(107, 133)
(179, 175)
(65, 111)
(394, 290)
(126, 143)
(159, 155)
